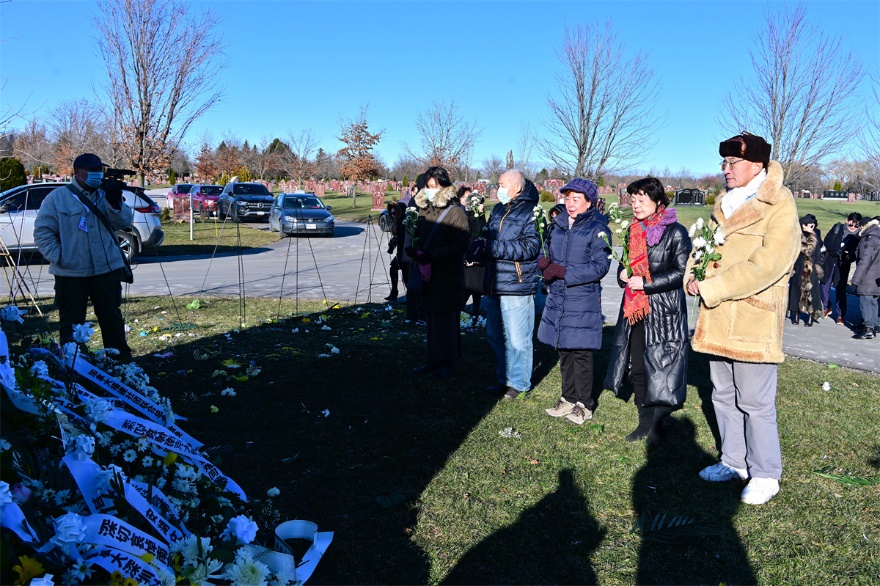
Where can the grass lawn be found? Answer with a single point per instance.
(430, 482)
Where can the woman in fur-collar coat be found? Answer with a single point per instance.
(441, 241)
(804, 292)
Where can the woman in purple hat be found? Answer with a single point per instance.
(574, 260)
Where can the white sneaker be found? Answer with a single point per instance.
(561, 409)
(721, 472)
(579, 414)
(759, 491)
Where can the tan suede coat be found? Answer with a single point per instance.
(744, 298)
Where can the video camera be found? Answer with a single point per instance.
(114, 183)
(118, 174)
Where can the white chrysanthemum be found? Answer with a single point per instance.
(129, 456)
(699, 242)
(147, 461)
(698, 254)
(202, 572)
(601, 234)
(246, 571)
(692, 230)
(719, 237)
(83, 446)
(826, 386)
(40, 369)
(142, 444)
(699, 223)
(82, 333)
(189, 548)
(79, 572)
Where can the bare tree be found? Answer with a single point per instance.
(162, 64)
(492, 169)
(602, 116)
(32, 145)
(445, 138)
(298, 160)
(870, 137)
(74, 128)
(801, 94)
(525, 151)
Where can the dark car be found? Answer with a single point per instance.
(179, 190)
(244, 201)
(204, 199)
(301, 213)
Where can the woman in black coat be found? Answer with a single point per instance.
(652, 331)
(441, 241)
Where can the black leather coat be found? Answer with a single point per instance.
(666, 327)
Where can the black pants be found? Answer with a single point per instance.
(444, 338)
(637, 360)
(72, 295)
(395, 270)
(576, 367)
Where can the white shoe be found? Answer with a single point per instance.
(759, 491)
(561, 409)
(721, 472)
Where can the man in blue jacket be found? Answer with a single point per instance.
(512, 244)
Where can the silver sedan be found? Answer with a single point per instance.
(300, 213)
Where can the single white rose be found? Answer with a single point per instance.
(242, 528)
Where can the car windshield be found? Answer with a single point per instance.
(211, 190)
(304, 203)
(184, 188)
(250, 189)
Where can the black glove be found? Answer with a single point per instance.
(392, 244)
(113, 192)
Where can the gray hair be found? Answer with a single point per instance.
(517, 177)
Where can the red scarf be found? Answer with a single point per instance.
(635, 303)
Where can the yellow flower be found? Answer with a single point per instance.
(116, 578)
(170, 458)
(306, 320)
(29, 569)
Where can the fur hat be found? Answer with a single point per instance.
(746, 146)
(584, 186)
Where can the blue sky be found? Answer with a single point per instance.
(295, 65)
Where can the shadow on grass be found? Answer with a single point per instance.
(351, 441)
(550, 543)
(698, 376)
(708, 551)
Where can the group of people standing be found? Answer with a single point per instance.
(826, 263)
(743, 298)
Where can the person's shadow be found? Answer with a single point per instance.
(688, 536)
(551, 543)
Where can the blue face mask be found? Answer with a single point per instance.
(503, 196)
(94, 178)
(430, 194)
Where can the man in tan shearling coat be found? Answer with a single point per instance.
(744, 297)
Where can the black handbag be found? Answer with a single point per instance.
(126, 275)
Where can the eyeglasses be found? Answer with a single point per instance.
(725, 164)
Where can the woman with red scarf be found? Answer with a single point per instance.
(651, 336)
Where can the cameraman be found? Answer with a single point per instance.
(83, 255)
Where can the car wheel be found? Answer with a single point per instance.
(128, 242)
(220, 215)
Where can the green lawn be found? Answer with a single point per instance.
(224, 236)
(420, 486)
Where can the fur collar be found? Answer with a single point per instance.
(441, 200)
(753, 211)
(868, 226)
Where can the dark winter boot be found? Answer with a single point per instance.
(646, 418)
(658, 425)
(393, 296)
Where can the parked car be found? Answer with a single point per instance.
(204, 200)
(181, 189)
(301, 213)
(19, 206)
(244, 201)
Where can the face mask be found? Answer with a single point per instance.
(430, 193)
(503, 197)
(94, 178)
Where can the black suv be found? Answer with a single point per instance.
(242, 201)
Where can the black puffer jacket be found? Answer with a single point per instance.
(512, 246)
(666, 327)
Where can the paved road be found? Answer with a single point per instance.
(352, 267)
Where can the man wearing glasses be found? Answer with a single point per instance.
(841, 243)
(744, 297)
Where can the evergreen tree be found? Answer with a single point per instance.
(12, 173)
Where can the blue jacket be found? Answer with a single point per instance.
(572, 318)
(512, 246)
